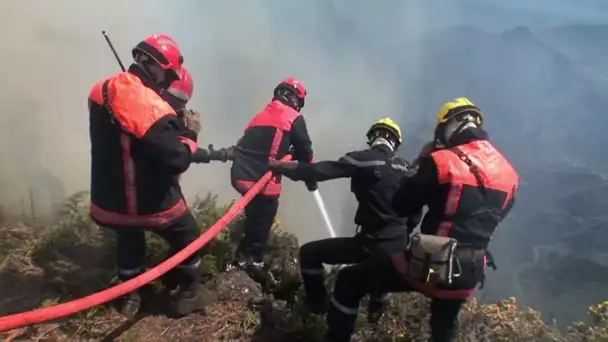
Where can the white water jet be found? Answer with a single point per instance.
(321, 204)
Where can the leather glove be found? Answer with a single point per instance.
(312, 186)
(192, 120)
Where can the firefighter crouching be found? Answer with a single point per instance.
(138, 147)
(271, 134)
(375, 175)
(468, 187)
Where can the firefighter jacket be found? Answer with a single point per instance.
(138, 148)
(269, 136)
(375, 175)
(468, 190)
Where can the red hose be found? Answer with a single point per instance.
(70, 308)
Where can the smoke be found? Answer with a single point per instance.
(55, 53)
(343, 51)
(360, 60)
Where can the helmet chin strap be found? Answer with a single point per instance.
(382, 141)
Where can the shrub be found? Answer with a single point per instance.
(75, 258)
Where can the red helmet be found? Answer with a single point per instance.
(179, 92)
(287, 89)
(163, 50)
(184, 87)
(295, 85)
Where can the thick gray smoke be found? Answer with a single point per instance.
(237, 56)
(360, 60)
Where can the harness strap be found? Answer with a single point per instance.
(484, 191)
(474, 169)
(106, 100)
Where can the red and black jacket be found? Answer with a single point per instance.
(138, 147)
(458, 206)
(269, 136)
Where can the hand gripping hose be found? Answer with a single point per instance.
(66, 309)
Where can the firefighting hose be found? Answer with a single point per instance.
(66, 309)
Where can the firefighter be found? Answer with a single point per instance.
(138, 148)
(271, 134)
(180, 91)
(375, 175)
(178, 94)
(468, 187)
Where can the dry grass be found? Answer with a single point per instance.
(41, 266)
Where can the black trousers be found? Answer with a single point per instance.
(260, 214)
(356, 281)
(179, 234)
(336, 251)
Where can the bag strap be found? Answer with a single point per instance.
(106, 100)
(473, 168)
(108, 107)
(475, 171)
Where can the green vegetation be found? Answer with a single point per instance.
(41, 266)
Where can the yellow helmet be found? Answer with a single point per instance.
(388, 124)
(457, 107)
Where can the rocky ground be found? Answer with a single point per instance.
(44, 264)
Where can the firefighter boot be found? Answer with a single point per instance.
(192, 298)
(256, 270)
(376, 307)
(332, 337)
(315, 293)
(130, 304)
(317, 306)
(170, 282)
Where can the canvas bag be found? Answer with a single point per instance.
(431, 258)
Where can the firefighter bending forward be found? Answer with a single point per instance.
(275, 131)
(468, 187)
(375, 175)
(139, 147)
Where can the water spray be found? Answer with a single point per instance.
(321, 204)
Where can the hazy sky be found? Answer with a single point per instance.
(559, 11)
(499, 14)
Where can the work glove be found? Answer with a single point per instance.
(288, 169)
(312, 186)
(192, 120)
